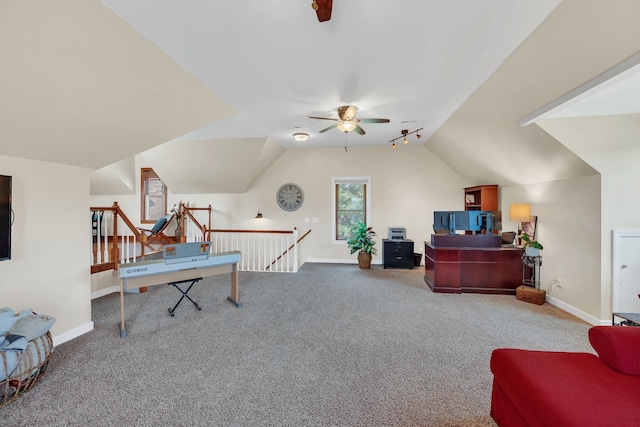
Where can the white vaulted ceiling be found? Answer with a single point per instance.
(91, 83)
(275, 64)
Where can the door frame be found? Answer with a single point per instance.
(616, 264)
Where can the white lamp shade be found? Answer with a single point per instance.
(346, 125)
(520, 212)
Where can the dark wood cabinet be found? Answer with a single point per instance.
(475, 270)
(481, 198)
(397, 253)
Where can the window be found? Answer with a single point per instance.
(351, 204)
(153, 196)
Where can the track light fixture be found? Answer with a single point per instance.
(405, 133)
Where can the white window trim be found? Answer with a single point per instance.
(347, 180)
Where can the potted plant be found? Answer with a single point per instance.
(531, 247)
(361, 240)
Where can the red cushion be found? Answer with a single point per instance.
(618, 347)
(563, 389)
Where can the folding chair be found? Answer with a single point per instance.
(156, 232)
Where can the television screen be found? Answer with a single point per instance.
(5, 217)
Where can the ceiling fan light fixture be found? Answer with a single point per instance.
(346, 126)
(299, 136)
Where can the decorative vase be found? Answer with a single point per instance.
(178, 232)
(531, 251)
(364, 260)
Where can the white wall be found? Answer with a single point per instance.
(609, 144)
(49, 267)
(568, 227)
(407, 185)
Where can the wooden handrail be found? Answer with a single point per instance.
(129, 224)
(187, 211)
(115, 249)
(251, 231)
(288, 249)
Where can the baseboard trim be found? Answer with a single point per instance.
(576, 312)
(338, 261)
(105, 291)
(74, 333)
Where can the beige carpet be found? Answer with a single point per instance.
(329, 346)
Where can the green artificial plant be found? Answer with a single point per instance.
(361, 239)
(528, 242)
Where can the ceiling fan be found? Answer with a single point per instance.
(347, 121)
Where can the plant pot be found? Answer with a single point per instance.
(531, 251)
(364, 260)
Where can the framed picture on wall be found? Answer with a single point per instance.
(530, 227)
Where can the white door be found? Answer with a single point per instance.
(626, 271)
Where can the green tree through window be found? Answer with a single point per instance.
(351, 203)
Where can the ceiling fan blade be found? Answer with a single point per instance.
(329, 128)
(374, 120)
(359, 130)
(322, 118)
(323, 10)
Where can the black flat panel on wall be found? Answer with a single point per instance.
(5, 217)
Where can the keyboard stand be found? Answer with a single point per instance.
(184, 293)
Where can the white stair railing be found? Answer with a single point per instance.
(113, 242)
(262, 250)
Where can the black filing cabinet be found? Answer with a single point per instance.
(397, 253)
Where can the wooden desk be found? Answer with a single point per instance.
(475, 270)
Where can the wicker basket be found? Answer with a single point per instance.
(31, 365)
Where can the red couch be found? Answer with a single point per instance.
(559, 389)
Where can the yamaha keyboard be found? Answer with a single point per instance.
(160, 266)
(180, 263)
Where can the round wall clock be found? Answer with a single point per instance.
(290, 197)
